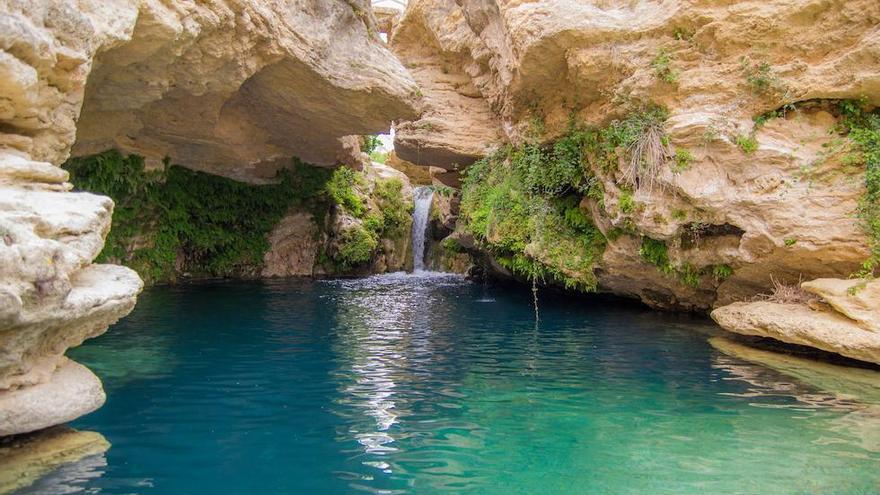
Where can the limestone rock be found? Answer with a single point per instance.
(798, 324)
(456, 124)
(856, 299)
(26, 458)
(51, 297)
(786, 210)
(293, 247)
(71, 391)
(232, 87)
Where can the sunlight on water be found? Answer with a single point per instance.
(428, 384)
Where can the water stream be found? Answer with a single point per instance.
(422, 199)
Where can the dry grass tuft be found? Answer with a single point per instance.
(647, 156)
(787, 293)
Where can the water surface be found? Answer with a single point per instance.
(432, 385)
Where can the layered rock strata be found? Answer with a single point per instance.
(773, 197)
(844, 319)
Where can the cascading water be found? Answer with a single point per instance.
(422, 199)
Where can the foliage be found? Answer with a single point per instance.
(679, 214)
(656, 253)
(178, 220)
(761, 79)
(341, 188)
(379, 156)
(790, 242)
(662, 69)
(626, 203)
(370, 144)
(452, 244)
(391, 208)
(356, 246)
(863, 128)
(722, 272)
(683, 159)
(748, 144)
(639, 143)
(531, 224)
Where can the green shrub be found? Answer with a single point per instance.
(760, 77)
(790, 242)
(722, 272)
(177, 220)
(341, 188)
(863, 129)
(370, 144)
(356, 246)
(683, 159)
(748, 144)
(528, 224)
(662, 69)
(656, 253)
(626, 203)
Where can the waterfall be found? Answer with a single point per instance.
(422, 199)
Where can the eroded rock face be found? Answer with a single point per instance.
(843, 324)
(456, 125)
(233, 88)
(51, 297)
(785, 209)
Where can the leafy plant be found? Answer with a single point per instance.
(748, 144)
(626, 203)
(369, 144)
(662, 67)
(722, 272)
(356, 246)
(683, 159)
(863, 129)
(173, 221)
(760, 77)
(341, 188)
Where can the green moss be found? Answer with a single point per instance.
(688, 275)
(679, 215)
(393, 211)
(174, 221)
(748, 144)
(662, 67)
(451, 244)
(790, 242)
(356, 246)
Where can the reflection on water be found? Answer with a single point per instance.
(428, 384)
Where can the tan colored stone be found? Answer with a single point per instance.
(418, 176)
(856, 299)
(456, 124)
(798, 324)
(26, 458)
(293, 247)
(70, 392)
(225, 87)
(786, 211)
